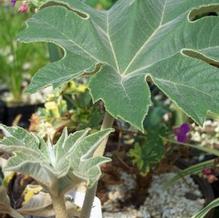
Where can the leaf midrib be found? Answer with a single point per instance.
(147, 40)
(111, 44)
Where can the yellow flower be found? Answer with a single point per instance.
(81, 88)
(8, 178)
(52, 107)
(30, 191)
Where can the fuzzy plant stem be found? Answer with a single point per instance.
(59, 207)
(91, 192)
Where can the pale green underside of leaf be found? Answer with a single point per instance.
(64, 165)
(133, 40)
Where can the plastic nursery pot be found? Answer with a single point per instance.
(25, 111)
(10, 111)
(2, 104)
(2, 111)
(78, 199)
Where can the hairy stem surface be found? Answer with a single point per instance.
(91, 192)
(59, 207)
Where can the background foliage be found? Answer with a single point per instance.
(18, 61)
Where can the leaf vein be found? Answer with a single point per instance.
(184, 85)
(148, 40)
(111, 44)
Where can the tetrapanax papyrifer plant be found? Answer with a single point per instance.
(133, 41)
(174, 44)
(57, 168)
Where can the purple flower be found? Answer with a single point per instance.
(181, 132)
(13, 2)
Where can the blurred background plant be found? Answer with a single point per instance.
(18, 61)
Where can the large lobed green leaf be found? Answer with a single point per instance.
(62, 165)
(168, 41)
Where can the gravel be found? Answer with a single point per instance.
(180, 201)
(206, 135)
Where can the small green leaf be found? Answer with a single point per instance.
(90, 168)
(149, 149)
(82, 161)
